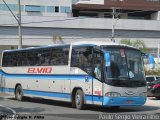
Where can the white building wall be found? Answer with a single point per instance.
(158, 15)
(39, 30)
(82, 23)
(91, 1)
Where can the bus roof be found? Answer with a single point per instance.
(94, 43)
(34, 48)
(80, 43)
(100, 43)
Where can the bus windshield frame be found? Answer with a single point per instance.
(124, 67)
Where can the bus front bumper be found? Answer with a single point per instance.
(124, 101)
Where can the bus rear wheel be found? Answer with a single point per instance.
(79, 99)
(19, 93)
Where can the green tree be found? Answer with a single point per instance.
(139, 44)
(58, 39)
(126, 42)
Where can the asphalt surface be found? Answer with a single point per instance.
(36, 108)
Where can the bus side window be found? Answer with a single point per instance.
(44, 57)
(74, 59)
(37, 57)
(97, 70)
(53, 58)
(82, 58)
(59, 56)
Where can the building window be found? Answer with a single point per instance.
(33, 8)
(68, 10)
(13, 7)
(74, 1)
(50, 9)
(22, 7)
(62, 9)
(3, 7)
(65, 9)
(56, 9)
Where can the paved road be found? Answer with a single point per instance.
(54, 108)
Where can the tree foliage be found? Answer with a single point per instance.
(58, 39)
(139, 44)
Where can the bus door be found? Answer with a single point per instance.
(97, 84)
(2, 83)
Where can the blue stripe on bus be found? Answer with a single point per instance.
(95, 98)
(1, 72)
(58, 77)
(41, 76)
(49, 94)
(53, 94)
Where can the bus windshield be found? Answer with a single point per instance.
(124, 64)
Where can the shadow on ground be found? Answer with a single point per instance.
(153, 98)
(130, 109)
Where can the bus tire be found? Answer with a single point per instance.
(19, 93)
(79, 99)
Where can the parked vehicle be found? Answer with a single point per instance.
(153, 89)
(151, 78)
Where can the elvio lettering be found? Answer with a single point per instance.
(39, 70)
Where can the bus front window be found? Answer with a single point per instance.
(123, 64)
(135, 65)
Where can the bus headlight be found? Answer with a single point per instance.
(143, 94)
(113, 94)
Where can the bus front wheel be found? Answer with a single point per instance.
(19, 93)
(79, 99)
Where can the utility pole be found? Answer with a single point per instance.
(19, 25)
(113, 25)
(18, 19)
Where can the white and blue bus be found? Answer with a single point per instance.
(98, 73)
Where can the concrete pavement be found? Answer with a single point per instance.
(4, 109)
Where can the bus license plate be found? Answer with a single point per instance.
(129, 101)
